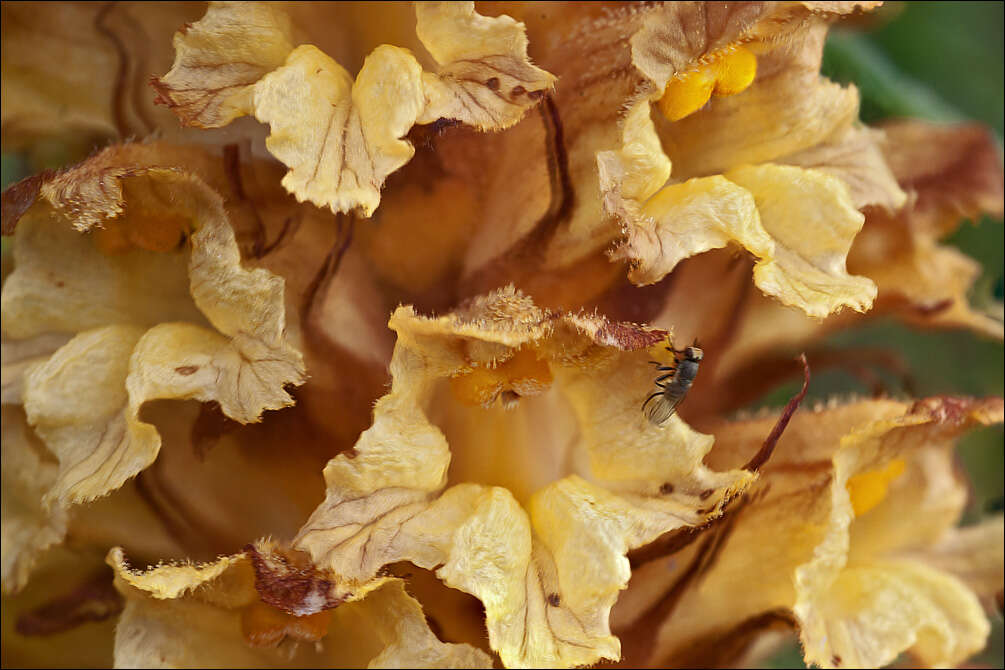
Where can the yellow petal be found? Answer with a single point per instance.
(486, 79)
(19, 356)
(855, 158)
(683, 220)
(775, 117)
(813, 222)
(386, 500)
(937, 617)
(76, 401)
(63, 283)
(341, 138)
(219, 58)
(839, 573)
(846, 592)
(28, 527)
(84, 398)
(215, 615)
(975, 554)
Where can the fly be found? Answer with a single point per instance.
(673, 392)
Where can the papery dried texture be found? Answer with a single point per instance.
(29, 528)
(219, 58)
(75, 75)
(788, 115)
(952, 173)
(220, 614)
(834, 498)
(128, 268)
(342, 137)
(545, 554)
(765, 208)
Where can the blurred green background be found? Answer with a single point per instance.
(941, 61)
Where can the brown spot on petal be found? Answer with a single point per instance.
(517, 91)
(493, 83)
(666, 488)
(706, 493)
(554, 599)
(186, 370)
(289, 582)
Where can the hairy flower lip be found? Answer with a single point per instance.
(563, 560)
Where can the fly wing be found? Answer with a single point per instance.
(662, 408)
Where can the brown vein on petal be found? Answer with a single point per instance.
(318, 286)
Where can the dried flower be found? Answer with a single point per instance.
(196, 333)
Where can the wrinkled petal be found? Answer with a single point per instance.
(485, 78)
(115, 281)
(19, 356)
(952, 173)
(813, 221)
(221, 614)
(799, 223)
(787, 113)
(28, 527)
(975, 555)
(219, 58)
(855, 157)
(548, 575)
(937, 618)
(844, 595)
(833, 498)
(76, 402)
(341, 137)
(115, 286)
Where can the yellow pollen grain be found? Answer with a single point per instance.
(524, 373)
(727, 72)
(868, 489)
